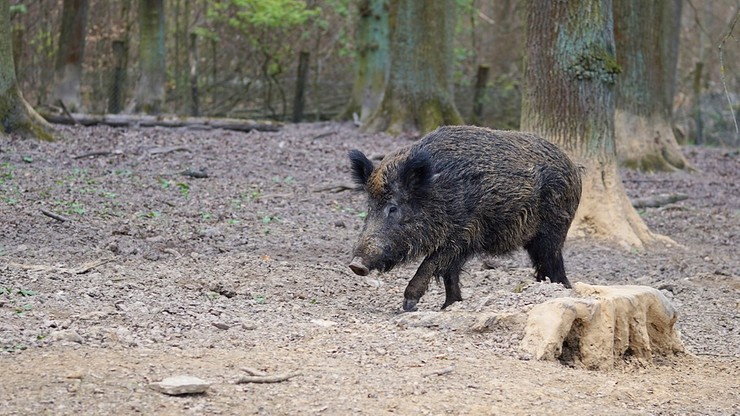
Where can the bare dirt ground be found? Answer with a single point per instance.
(156, 273)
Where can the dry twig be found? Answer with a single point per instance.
(658, 200)
(82, 269)
(57, 217)
(440, 372)
(277, 378)
(336, 188)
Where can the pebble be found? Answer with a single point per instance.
(66, 335)
(179, 385)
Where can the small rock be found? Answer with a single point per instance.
(178, 385)
(76, 374)
(323, 322)
(66, 335)
(220, 325)
(373, 282)
(249, 326)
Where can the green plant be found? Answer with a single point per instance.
(107, 194)
(75, 208)
(288, 180)
(26, 292)
(21, 310)
(7, 171)
(270, 218)
(184, 189)
(152, 214)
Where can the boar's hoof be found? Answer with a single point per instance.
(409, 305)
(359, 268)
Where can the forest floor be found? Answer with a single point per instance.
(155, 273)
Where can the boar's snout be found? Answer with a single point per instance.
(358, 267)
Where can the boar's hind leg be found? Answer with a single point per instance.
(451, 278)
(547, 259)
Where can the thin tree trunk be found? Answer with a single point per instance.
(418, 96)
(194, 94)
(696, 110)
(300, 88)
(481, 80)
(569, 98)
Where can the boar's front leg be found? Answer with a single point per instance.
(418, 284)
(445, 264)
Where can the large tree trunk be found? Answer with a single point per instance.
(418, 95)
(68, 67)
(150, 92)
(569, 98)
(647, 35)
(16, 116)
(373, 59)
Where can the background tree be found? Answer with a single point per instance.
(16, 116)
(573, 105)
(646, 36)
(150, 90)
(70, 52)
(372, 61)
(418, 95)
(267, 29)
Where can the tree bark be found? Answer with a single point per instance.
(150, 92)
(194, 92)
(71, 48)
(647, 35)
(300, 88)
(16, 115)
(481, 81)
(418, 95)
(373, 60)
(569, 98)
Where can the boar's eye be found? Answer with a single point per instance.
(390, 210)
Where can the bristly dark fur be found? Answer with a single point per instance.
(416, 173)
(362, 167)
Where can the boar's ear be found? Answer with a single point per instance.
(416, 173)
(362, 167)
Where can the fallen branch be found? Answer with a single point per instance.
(336, 188)
(658, 200)
(165, 150)
(267, 378)
(66, 111)
(198, 174)
(254, 372)
(440, 372)
(98, 153)
(322, 135)
(57, 217)
(82, 269)
(133, 120)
